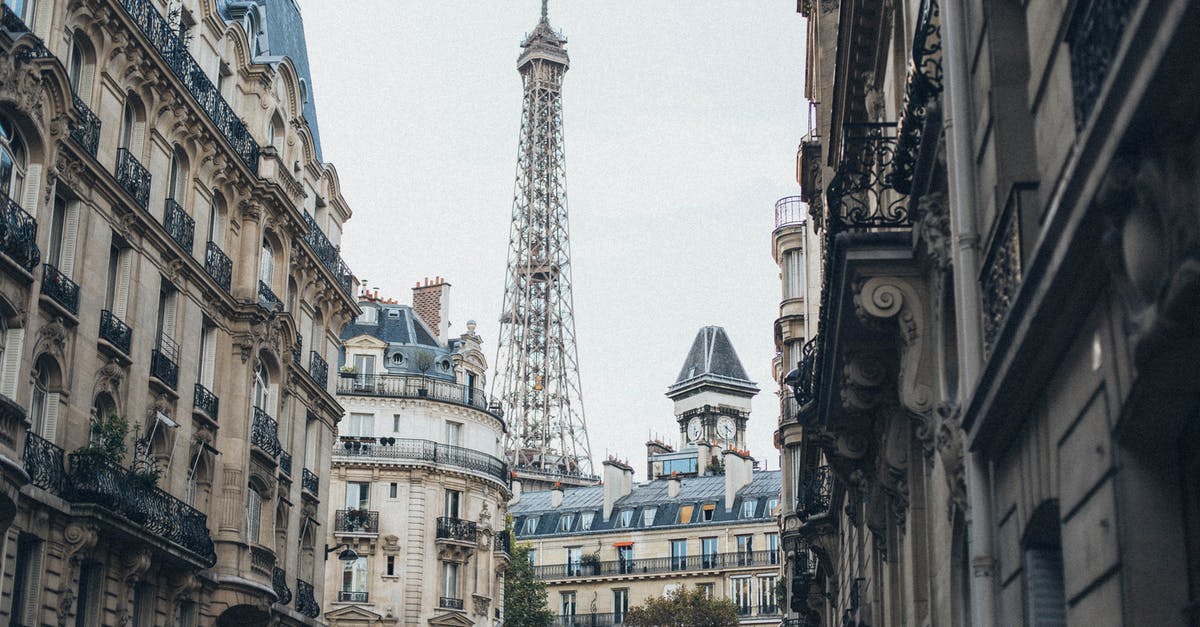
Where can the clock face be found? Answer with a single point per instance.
(693, 429)
(725, 427)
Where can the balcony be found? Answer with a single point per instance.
(502, 543)
(267, 298)
(859, 194)
(816, 494)
(329, 255)
(218, 265)
(450, 603)
(133, 177)
(310, 482)
(87, 132)
(1093, 38)
(285, 463)
(179, 225)
(352, 596)
(355, 521)
(412, 386)
(298, 350)
(44, 463)
(306, 602)
(457, 530)
(164, 362)
(163, 38)
(265, 433)
(116, 333)
(60, 289)
(318, 369)
(12, 421)
(421, 450)
(714, 562)
(790, 211)
(18, 234)
(204, 401)
(283, 595)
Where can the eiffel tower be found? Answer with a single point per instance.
(537, 382)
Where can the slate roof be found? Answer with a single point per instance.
(404, 328)
(696, 491)
(712, 353)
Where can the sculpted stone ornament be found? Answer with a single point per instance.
(863, 378)
(934, 229)
(903, 300)
(950, 450)
(52, 338)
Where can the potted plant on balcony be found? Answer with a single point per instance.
(425, 361)
(590, 563)
(348, 372)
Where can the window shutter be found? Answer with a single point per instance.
(273, 400)
(1045, 596)
(124, 270)
(33, 585)
(85, 82)
(169, 314)
(50, 424)
(13, 341)
(66, 263)
(33, 187)
(135, 141)
(210, 357)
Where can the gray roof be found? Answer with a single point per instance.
(405, 334)
(712, 353)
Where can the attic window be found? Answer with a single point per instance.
(369, 315)
(446, 364)
(626, 518)
(393, 313)
(648, 516)
(565, 521)
(585, 520)
(685, 514)
(709, 508)
(748, 508)
(397, 358)
(530, 526)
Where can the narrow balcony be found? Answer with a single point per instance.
(381, 449)
(790, 211)
(267, 298)
(352, 596)
(87, 132)
(1093, 39)
(310, 482)
(205, 402)
(306, 602)
(816, 494)
(285, 463)
(133, 177)
(319, 369)
(264, 433)
(329, 255)
(591, 619)
(179, 225)
(356, 521)
(502, 543)
(457, 530)
(450, 603)
(218, 265)
(60, 289)
(164, 362)
(283, 594)
(412, 386)
(298, 350)
(18, 234)
(12, 421)
(712, 562)
(44, 463)
(115, 333)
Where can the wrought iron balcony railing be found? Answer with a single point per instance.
(923, 86)
(285, 463)
(306, 602)
(502, 543)
(356, 521)
(204, 400)
(318, 368)
(808, 375)
(98, 481)
(115, 332)
(816, 493)
(450, 603)
(267, 297)
(1002, 267)
(310, 482)
(352, 596)
(412, 386)
(283, 594)
(44, 463)
(591, 619)
(861, 194)
(164, 39)
(218, 265)
(656, 565)
(329, 255)
(164, 362)
(18, 234)
(790, 211)
(265, 433)
(298, 350)
(179, 225)
(13, 24)
(422, 450)
(133, 177)
(60, 289)
(457, 529)
(87, 132)
(1093, 37)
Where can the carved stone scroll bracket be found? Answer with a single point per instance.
(905, 301)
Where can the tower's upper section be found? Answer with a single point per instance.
(543, 44)
(712, 365)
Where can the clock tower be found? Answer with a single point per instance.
(712, 394)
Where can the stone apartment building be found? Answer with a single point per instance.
(995, 418)
(419, 488)
(704, 518)
(170, 292)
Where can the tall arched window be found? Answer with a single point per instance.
(262, 389)
(216, 217)
(254, 501)
(128, 124)
(266, 264)
(275, 133)
(75, 69)
(43, 403)
(13, 161)
(177, 184)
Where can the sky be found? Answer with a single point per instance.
(681, 122)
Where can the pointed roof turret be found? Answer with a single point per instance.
(712, 361)
(543, 43)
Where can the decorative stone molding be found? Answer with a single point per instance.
(902, 299)
(950, 450)
(933, 227)
(863, 380)
(52, 339)
(481, 604)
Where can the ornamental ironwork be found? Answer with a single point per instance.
(179, 225)
(450, 603)
(14, 24)
(310, 482)
(218, 265)
(457, 529)
(789, 211)
(267, 298)
(165, 39)
(133, 177)
(18, 234)
(502, 543)
(356, 521)
(816, 496)
(1093, 38)
(807, 374)
(204, 400)
(318, 369)
(298, 350)
(283, 594)
(352, 596)
(1001, 276)
(44, 463)
(115, 332)
(652, 565)
(423, 450)
(306, 602)
(265, 433)
(164, 362)
(413, 386)
(60, 289)
(328, 254)
(285, 463)
(860, 194)
(923, 86)
(87, 132)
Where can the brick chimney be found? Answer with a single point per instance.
(431, 303)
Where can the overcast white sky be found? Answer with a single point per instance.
(682, 121)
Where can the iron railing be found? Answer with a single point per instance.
(174, 53)
(13, 24)
(922, 87)
(593, 619)
(858, 195)
(356, 521)
(179, 225)
(285, 463)
(804, 388)
(265, 433)
(283, 594)
(115, 332)
(267, 297)
(306, 602)
(450, 603)
(318, 369)
(329, 255)
(204, 400)
(654, 565)
(60, 289)
(96, 480)
(133, 177)
(790, 211)
(423, 450)
(1002, 267)
(502, 543)
(87, 132)
(164, 361)
(457, 529)
(309, 481)
(218, 265)
(1093, 37)
(816, 494)
(411, 386)
(18, 234)
(298, 350)
(44, 463)
(352, 596)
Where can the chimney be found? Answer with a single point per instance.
(556, 495)
(739, 470)
(673, 486)
(431, 303)
(703, 457)
(516, 493)
(618, 482)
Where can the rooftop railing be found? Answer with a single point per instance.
(411, 386)
(421, 450)
(790, 211)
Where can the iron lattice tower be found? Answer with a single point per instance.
(538, 379)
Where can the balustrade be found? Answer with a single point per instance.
(18, 234)
(352, 596)
(310, 482)
(179, 225)
(423, 450)
(164, 362)
(356, 521)
(655, 565)
(87, 132)
(115, 332)
(265, 433)
(457, 529)
(450, 603)
(319, 369)
(218, 265)
(306, 602)
(204, 400)
(133, 177)
(60, 289)
(267, 297)
(283, 595)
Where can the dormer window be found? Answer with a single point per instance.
(530, 527)
(565, 521)
(585, 520)
(394, 313)
(625, 518)
(748, 508)
(648, 516)
(369, 315)
(397, 359)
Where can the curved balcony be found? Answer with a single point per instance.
(816, 496)
(306, 601)
(413, 386)
(283, 594)
(382, 449)
(790, 211)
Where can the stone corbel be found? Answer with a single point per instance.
(78, 541)
(950, 450)
(903, 300)
(864, 379)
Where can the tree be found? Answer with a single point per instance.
(684, 606)
(524, 593)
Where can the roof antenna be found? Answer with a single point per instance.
(544, 8)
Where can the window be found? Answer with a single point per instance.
(391, 564)
(530, 526)
(177, 183)
(772, 503)
(393, 488)
(741, 592)
(27, 580)
(773, 547)
(685, 514)
(208, 354)
(354, 575)
(681, 466)
(648, 516)
(745, 550)
(75, 66)
(39, 407)
(707, 589)
(450, 580)
(533, 557)
(358, 495)
(143, 605)
(12, 164)
(261, 390)
(165, 331)
(625, 518)
(625, 558)
(620, 604)
(215, 216)
(678, 554)
(708, 549)
(766, 595)
(132, 126)
(275, 133)
(88, 599)
(57, 217)
(120, 266)
(397, 358)
(361, 425)
(793, 274)
(565, 522)
(574, 559)
(26, 10)
(568, 604)
(1045, 599)
(254, 502)
(748, 506)
(454, 433)
(395, 423)
(585, 520)
(708, 510)
(188, 614)
(266, 265)
(453, 504)
(369, 315)
(365, 364)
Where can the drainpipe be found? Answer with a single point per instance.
(965, 254)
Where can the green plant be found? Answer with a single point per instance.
(524, 593)
(684, 606)
(348, 369)
(425, 361)
(107, 438)
(590, 559)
